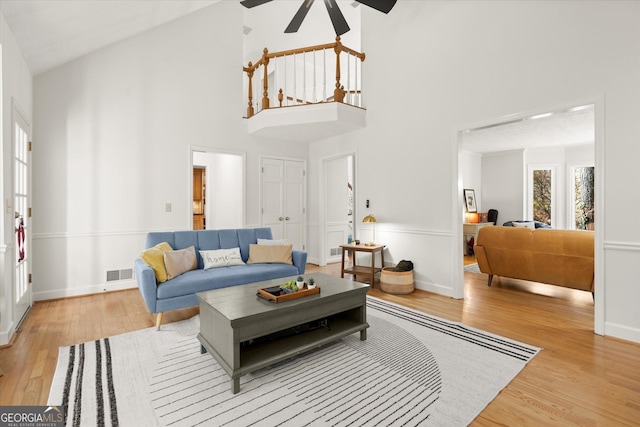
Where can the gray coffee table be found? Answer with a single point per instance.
(231, 317)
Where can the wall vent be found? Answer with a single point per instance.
(335, 251)
(114, 275)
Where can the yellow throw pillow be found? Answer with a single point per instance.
(268, 254)
(154, 257)
(180, 261)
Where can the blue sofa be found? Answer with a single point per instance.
(180, 291)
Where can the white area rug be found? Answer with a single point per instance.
(412, 370)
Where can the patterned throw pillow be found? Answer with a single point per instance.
(221, 258)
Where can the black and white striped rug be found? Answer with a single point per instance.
(412, 370)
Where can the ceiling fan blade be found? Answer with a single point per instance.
(383, 6)
(295, 23)
(253, 3)
(337, 18)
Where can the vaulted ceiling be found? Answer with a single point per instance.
(53, 32)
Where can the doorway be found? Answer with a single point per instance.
(595, 109)
(217, 181)
(22, 237)
(339, 210)
(284, 199)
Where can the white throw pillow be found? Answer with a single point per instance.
(272, 242)
(525, 224)
(221, 258)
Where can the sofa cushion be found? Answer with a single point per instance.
(154, 257)
(279, 254)
(204, 280)
(180, 261)
(221, 258)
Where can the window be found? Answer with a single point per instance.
(541, 205)
(584, 197)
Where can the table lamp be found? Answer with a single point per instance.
(372, 219)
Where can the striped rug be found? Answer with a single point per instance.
(413, 370)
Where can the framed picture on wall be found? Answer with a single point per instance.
(470, 200)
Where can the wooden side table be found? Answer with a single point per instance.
(356, 270)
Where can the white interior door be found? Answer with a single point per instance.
(21, 154)
(294, 203)
(283, 199)
(338, 205)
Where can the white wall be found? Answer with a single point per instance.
(16, 88)
(471, 167)
(471, 62)
(114, 130)
(503, 184)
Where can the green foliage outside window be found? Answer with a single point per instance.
(584, 203)
(542, 195)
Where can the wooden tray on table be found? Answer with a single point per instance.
(271, 295)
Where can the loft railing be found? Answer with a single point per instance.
(302, 76)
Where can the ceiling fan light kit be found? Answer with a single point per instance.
(337, 18)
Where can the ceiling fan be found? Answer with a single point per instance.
(337, 18)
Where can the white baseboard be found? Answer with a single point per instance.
(622, 332)
(5, 336)
(88, 290)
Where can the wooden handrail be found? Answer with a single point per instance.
(338, 93)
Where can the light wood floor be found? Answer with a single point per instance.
(578, 379)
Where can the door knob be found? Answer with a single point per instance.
(280, 219)
(287, 218)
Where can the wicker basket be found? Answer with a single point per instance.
(396, 282)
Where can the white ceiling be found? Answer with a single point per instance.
(53, 32)
(569, 127)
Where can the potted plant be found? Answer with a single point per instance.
(300, 282)
(312, 283)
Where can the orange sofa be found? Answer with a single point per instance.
(557, 257)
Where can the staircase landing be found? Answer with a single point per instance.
(307, 123)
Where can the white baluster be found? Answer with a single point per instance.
(315, 84)
(324, 75)
(304, 77)
(348, 100)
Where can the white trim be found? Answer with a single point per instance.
(600, 188)
(622, 246)
(457, 207)
(86, 290)
(62, 235)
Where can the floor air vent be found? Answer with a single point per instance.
(336, 251)
(113, 275)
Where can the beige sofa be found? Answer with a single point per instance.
(556, 257)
